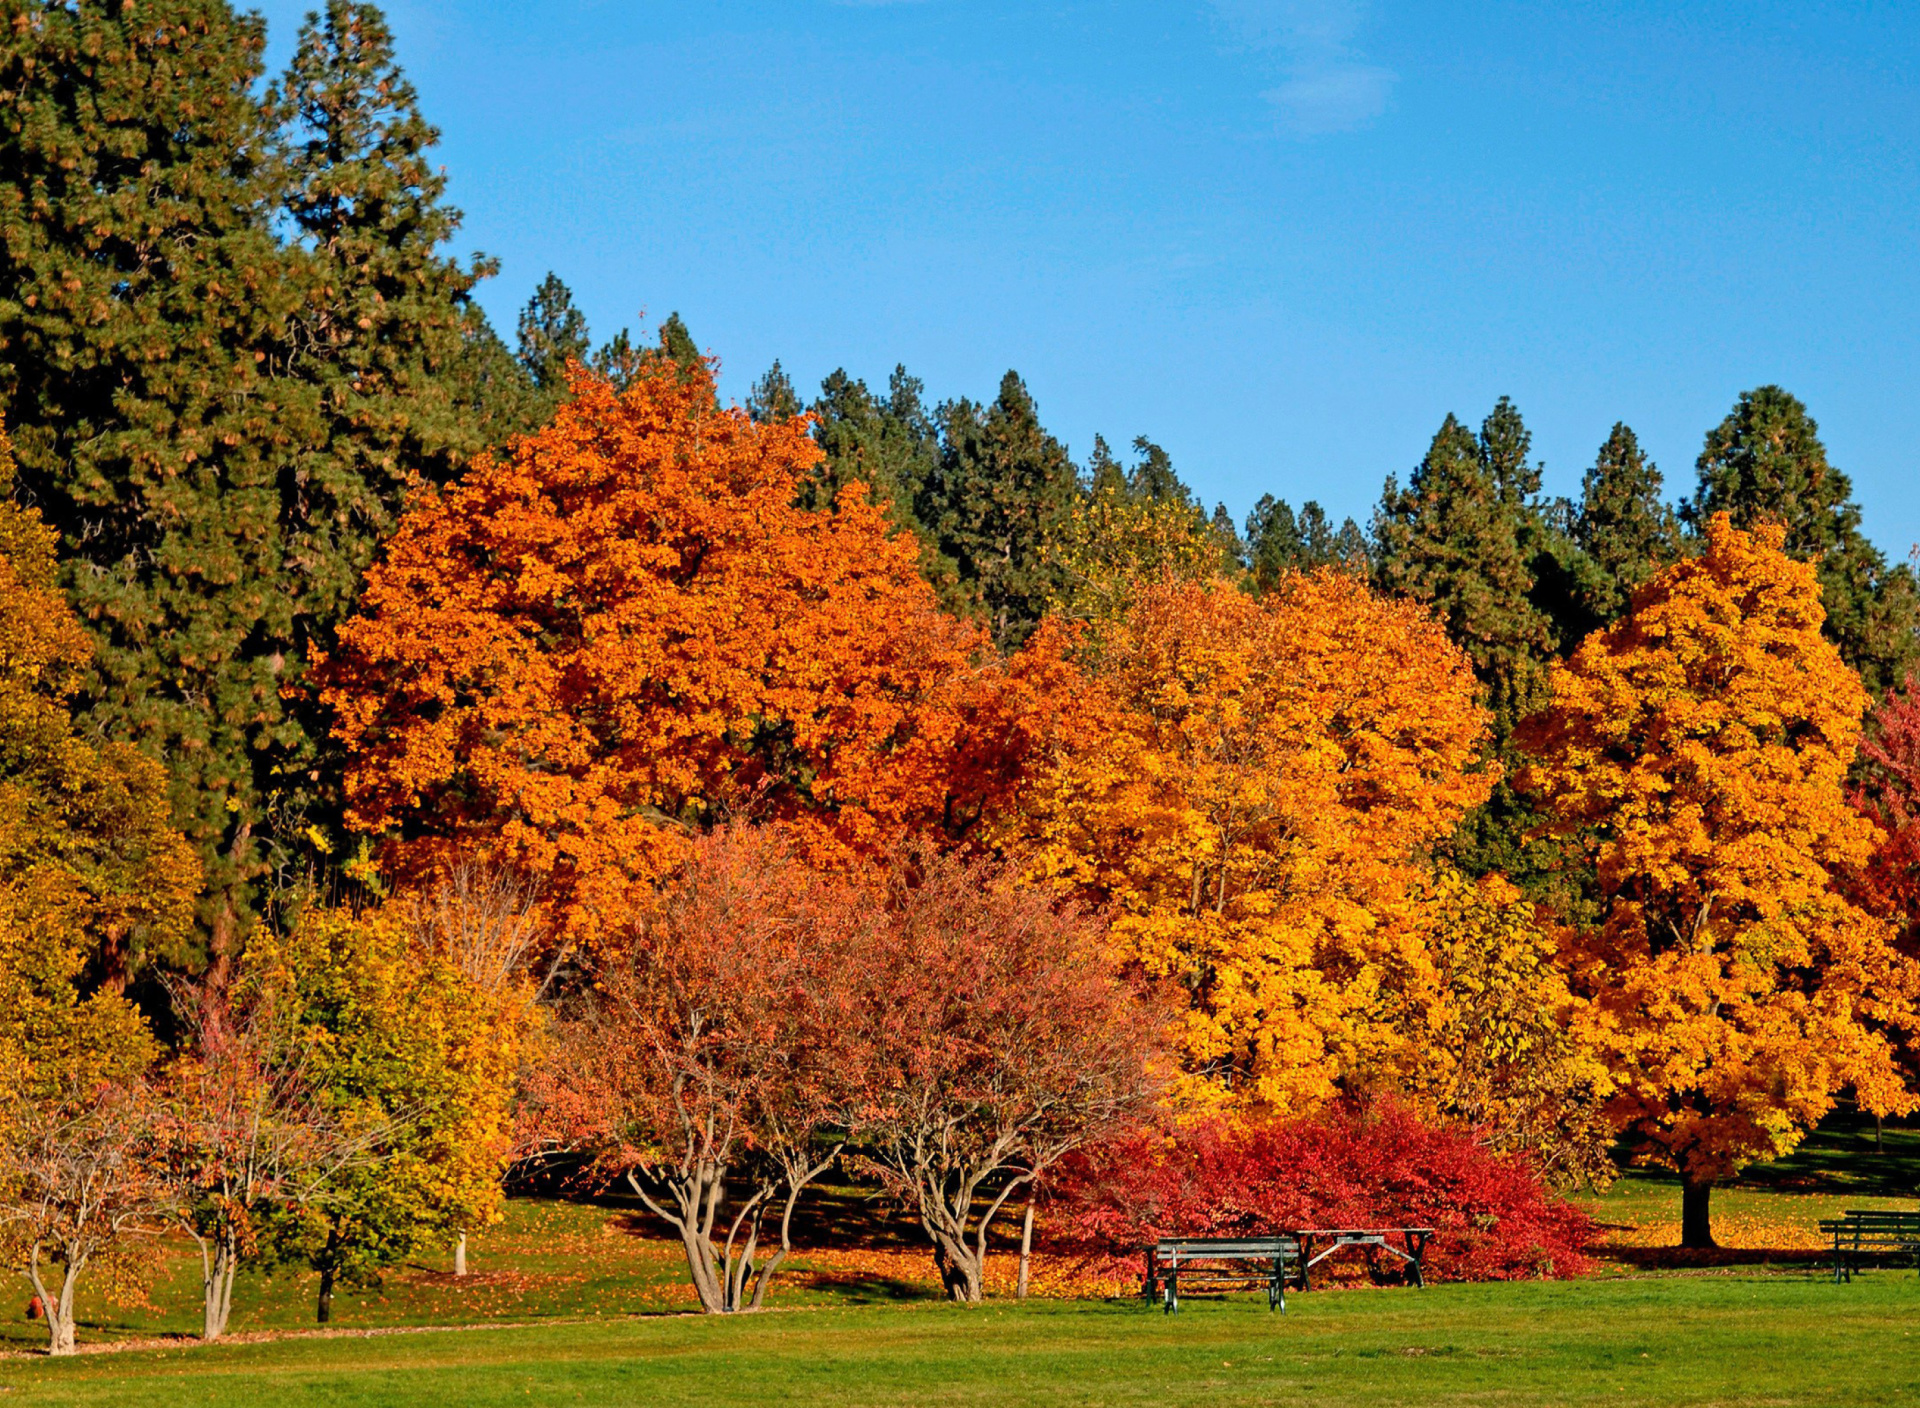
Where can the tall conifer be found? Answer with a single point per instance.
(1765, 463)
(1001, 489)
(1624, 527)
(149, 375)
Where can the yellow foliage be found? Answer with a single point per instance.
(1253, 793)
(1697, 751)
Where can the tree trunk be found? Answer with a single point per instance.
(217, 1305)
(960, 1270)
(1696, 1223)
(323, 1309)
(1026, 1252)
(58, 1309)
(460, 1256)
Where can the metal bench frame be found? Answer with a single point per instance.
(1273, 1263)
(1872, 1236)
(1371, 1240)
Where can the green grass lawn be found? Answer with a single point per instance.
(584, 1303)
(1665, 1340)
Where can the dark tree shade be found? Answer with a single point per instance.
(1765, 463)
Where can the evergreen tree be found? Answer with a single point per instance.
(1623, 526)
(1459, 537)
(677, 343)
(1765, 463)
(1105, 474)
(386, 315)
(773, 397)
(1232, 548)
(618, 359)
(889, 445)
(1153, 476)
(1002, 487)
(146, 310)
(1467, 537)
(552, 333)
(1278, 542)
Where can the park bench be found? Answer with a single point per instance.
(1373, 1241)
(1221, 1264)
(1866, 1237)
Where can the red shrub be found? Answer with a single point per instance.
(1491, 1217)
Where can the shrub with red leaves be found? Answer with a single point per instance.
(1384, 1167)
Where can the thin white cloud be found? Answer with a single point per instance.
(1326, 84)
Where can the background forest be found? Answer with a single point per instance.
(427, 758)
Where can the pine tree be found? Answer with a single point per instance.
(553, 332)
(1279, 542)
(1105, 474)
(1765, 463)
(1624, 527)
(1002, 487)
(147, 369)
(773, 397)
(386, 314)
(677, 343)
(1459, 537)
(618, 359)
(1153, 475)
(383, 330)
(889, 445)
(1467, 537)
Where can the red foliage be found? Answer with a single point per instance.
(1491, 1217)
(1890, 794)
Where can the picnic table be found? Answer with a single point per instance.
(1372, 1241)
(1870, 1236)
(1273, 1262)
(1221, 1264)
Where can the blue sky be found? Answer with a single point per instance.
(1282, 237)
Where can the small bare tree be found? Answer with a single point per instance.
(996, 1039)
(706, 1070)
(82, 1178)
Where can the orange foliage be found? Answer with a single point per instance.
(625, 630)
(1697, 751)
(1255, 801)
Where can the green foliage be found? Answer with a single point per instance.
(1001, 489)
(1278, 542)
(1461, 537)
(1765, 463)
(552, 333)
(387, 1028)
(1625, 529)
(773, 397)
(149, 375)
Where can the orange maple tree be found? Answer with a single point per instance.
(1698, 751)
(625, 629)
(1254, 799)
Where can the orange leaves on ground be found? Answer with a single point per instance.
(1255, 801)
(626, 629)
(1698, 751)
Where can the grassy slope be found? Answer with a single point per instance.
(1672, 1340)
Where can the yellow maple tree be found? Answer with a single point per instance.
(1253, 791)
(1698, 751)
